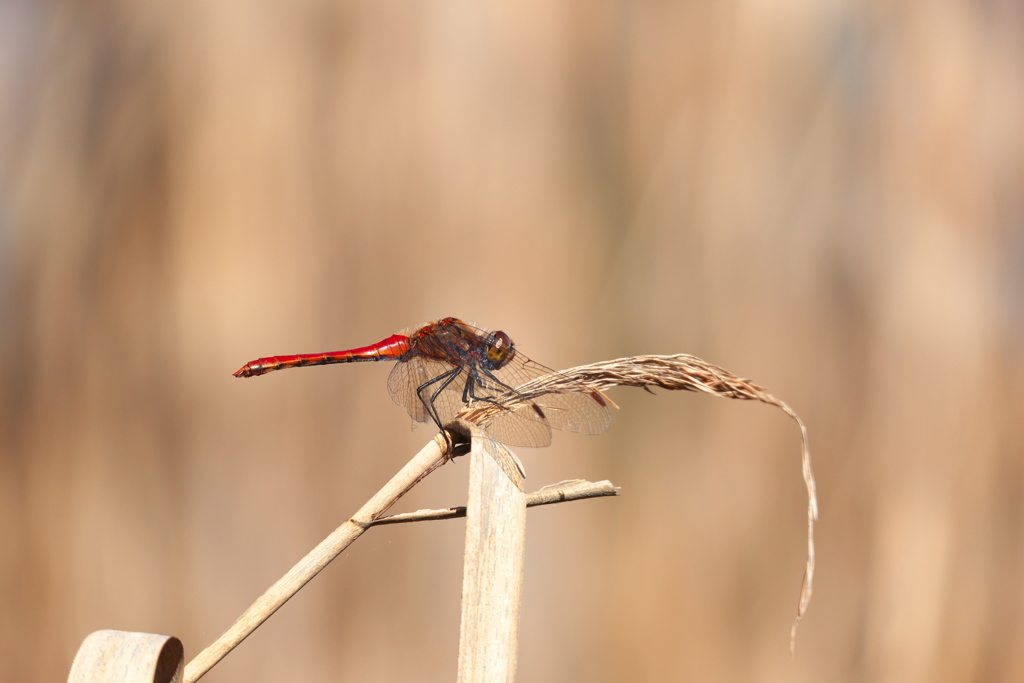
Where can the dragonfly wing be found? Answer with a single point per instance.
(585, 412)
(575, 412)
(530, 424)
(408, 376)
(519, 428)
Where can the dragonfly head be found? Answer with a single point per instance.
(499, 350)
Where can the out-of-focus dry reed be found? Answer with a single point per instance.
(184, 183)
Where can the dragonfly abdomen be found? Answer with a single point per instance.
(391, 348)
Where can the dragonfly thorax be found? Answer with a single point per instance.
(499, 350)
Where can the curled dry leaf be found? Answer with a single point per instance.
(678, 372)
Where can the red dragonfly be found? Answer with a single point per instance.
(448, 364)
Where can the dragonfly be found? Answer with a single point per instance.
(447, 365)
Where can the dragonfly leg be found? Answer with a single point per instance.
(445, 379)
(473, 381)
(468, 391)
(469, 394)
(499, 385)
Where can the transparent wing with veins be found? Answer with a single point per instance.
(408, 376)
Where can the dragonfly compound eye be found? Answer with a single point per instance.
(499, 349)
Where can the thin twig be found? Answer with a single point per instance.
(678, 372)
(432, 456)
(574, 489)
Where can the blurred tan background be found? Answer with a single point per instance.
(825, 197)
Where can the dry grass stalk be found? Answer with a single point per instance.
(432, 456)
(678, 372)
